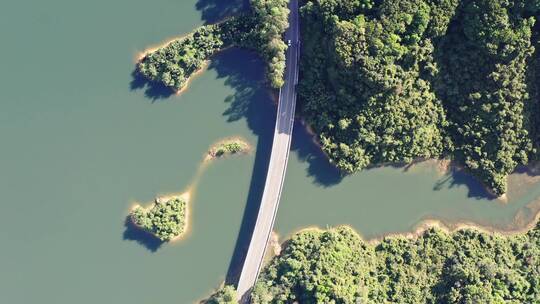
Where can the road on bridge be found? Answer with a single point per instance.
(278, 162)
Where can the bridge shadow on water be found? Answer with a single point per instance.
(252, 100)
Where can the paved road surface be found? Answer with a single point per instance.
(278, 163)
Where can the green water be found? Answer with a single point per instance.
(82, 141)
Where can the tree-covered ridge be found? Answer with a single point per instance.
(261, 30)
(467, 266)
(166, 219)
(391, 81)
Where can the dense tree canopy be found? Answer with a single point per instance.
(337, 266)
(165, 219)
(391, 81)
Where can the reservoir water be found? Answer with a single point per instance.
(82, 140)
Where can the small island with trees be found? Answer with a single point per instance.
(227, 147)
(166, 219)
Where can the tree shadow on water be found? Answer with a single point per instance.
(319, 168)
(459, 176)
(476, 189)
(213, 11)
(154, 90)
(132, 233)
(532, 169)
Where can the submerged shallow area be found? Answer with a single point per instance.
(88, 139)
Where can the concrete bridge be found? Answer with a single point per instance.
(278, 162)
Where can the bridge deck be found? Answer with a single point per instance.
(277, 165)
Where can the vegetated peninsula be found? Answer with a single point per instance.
(393, 81)
(166, 219)
(260, 30)
(466, 266)
(228, 146)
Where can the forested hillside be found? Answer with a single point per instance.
(391, 81)
(337, 266)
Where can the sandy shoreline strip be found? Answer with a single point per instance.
(425, 225)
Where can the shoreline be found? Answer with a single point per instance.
(195, 74)
(140, 55)
(450, 228)
(423, 226)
